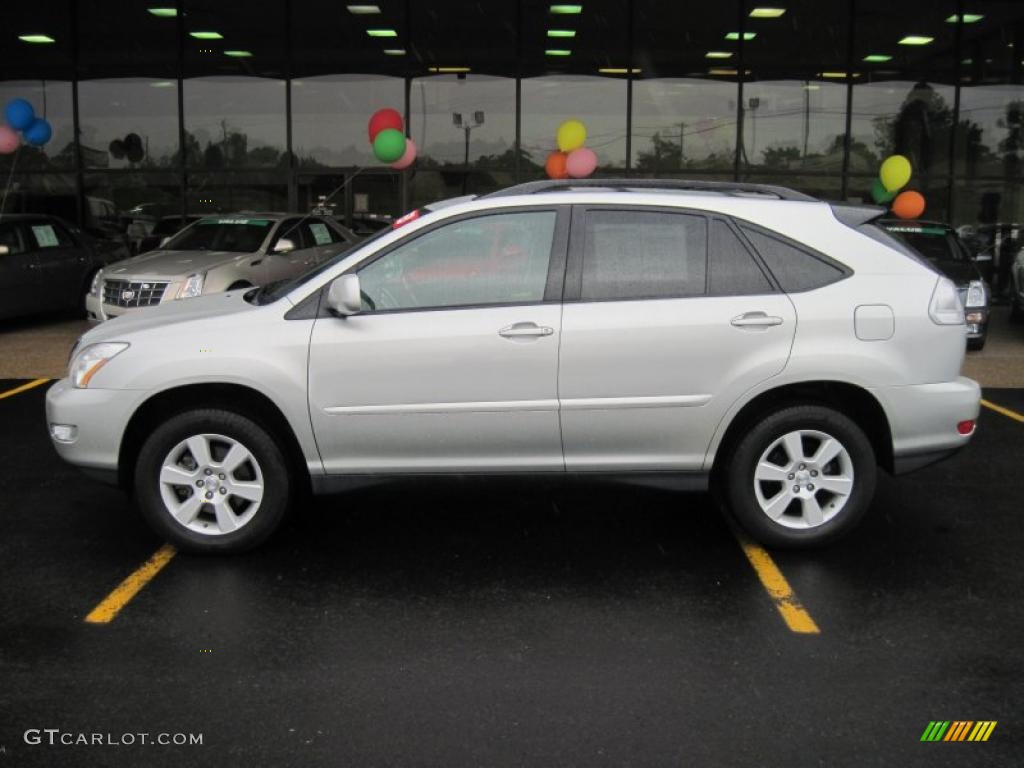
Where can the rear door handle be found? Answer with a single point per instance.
(525, 330)
(755, 320)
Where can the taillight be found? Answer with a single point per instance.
(965, 427)
(401, 221)
(945, 307)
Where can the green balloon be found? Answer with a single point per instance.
(880, 194)
(389, 146)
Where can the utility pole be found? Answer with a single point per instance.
(467, 127)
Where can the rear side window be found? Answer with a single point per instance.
(794, 268)
(732, 271)
(643, 254)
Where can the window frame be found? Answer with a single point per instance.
(557, 259)
(740, 223)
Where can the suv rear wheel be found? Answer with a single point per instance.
(212, 481)
(802, 477)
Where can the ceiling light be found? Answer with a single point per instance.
(448, 70)
(566, 10)
(916, 40)
(164, 13)
(561, 33)
(238, 54)
(394, 51)
(207, 35)
(718, 55)
(381, 33)
(558, 52)
(736, 35)
(875, 58)
(968, 18)
(36, 39)
(363, 10)
(162, 84)
(812, 87)
(767, 13)
(837, 75)
(722, 71)
(619, 71)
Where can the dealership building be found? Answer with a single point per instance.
(163, 107)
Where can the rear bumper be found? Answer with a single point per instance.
(923, 419)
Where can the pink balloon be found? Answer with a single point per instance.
(8, 140)
(581, 163)
(407, 158)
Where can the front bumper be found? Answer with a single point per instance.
(923, 419)
(99, 418)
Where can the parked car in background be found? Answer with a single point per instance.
(46, 264)
(1017, 283)
(163, 229)
(943, 247)
(213, 254)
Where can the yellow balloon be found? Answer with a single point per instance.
(895, 172)
(571, 135)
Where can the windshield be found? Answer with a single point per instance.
(168, 226)
(222, 234)
(934, 243)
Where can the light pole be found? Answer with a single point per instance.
(467, 128)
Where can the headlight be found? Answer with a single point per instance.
(976, 294)
(193, 286)
(97, 281)
(945, 307)
(87, 363)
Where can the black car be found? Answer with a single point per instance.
(46, 264)
(164, 228)
(942, 246)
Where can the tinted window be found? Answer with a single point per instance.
(316, 233)
(732, 270)
(499, 259)
(9, 236)
(643, 254)
(239, 234)
(794, 268)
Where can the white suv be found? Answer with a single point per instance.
(686, 334)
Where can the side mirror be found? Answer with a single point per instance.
(344, 297)
(4, 250)
(284, 245)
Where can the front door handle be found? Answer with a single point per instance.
(525, 330)
(756, 320)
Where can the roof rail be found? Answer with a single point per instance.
(684, 185)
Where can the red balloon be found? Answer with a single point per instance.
(555, 165)
(384, 118)
(908, 205)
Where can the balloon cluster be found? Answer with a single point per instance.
(390, 144)
(571, 159)
(21, 117)
(892, 177)
(129, 147)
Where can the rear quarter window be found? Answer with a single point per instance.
(795, 268)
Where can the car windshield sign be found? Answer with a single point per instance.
(239, 234)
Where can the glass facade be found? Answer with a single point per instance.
(182, 106)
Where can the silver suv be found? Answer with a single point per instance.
(688, 334)
(216, 253)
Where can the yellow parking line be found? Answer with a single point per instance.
(793, 613)
(112, 604)
(22, 388)
(1005, 411)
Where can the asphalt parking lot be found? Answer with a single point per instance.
(515, 625)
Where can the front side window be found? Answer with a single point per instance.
(643, 255)
(10, 237)
(494, 259)
(228, 233)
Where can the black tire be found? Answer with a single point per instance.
(738, 477)
(976, 345)
(1016, 311)
(277, 482)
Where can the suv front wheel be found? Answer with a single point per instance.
(212, 481)
(802, 477)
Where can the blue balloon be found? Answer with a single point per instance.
(38, 133)
(19, 114)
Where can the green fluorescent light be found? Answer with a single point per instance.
(916, 40)
(394, 51)
(566, 10)
(36, 39)
(363, 10)
(718, 55)
(557, 52)
(162, 84)
(238, 54)
(736, 35)
(968, 18)
(448, 70)
(561, 33)
(836, 75)
(875, 58)
(164, 13)
(767, 13)
(207, 35)
(381, 33)
(619, 71)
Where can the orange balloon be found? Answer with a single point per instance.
(555, 165)
(908, 205)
